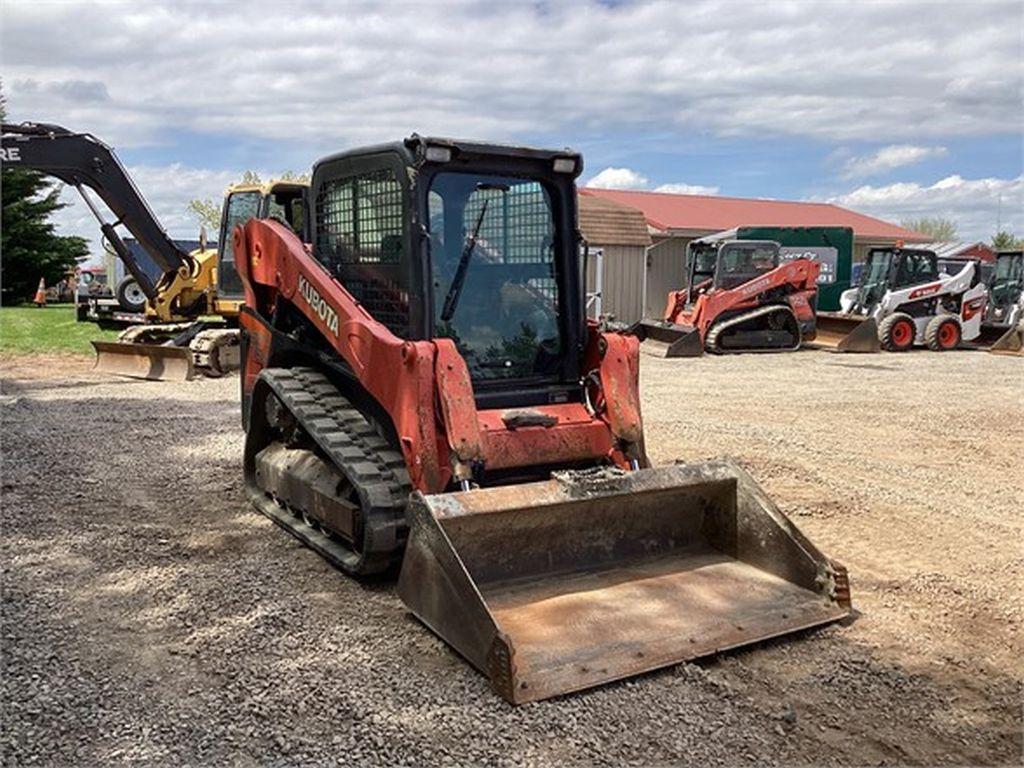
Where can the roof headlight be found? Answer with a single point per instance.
(436, 154)
(565, 165)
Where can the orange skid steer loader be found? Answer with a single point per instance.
(738, 298)
(421, 386)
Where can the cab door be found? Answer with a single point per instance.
(238, 209)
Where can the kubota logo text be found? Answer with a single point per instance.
(319, 306)
(757, 286)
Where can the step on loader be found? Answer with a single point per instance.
(904, 299)
(421, 388)
(191, 310)
(739, 297)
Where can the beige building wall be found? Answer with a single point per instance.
(622, 281)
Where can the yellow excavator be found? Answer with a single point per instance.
(192, 309)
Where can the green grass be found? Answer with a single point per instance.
(29, 329)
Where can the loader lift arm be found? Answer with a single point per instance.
(82, 160)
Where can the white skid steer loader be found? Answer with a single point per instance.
(913, 303)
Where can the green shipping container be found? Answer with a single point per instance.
(832, 246)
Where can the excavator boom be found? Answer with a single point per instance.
(82, 160)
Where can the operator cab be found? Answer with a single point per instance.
(727, 264)
(284, 201)
(1009, 273)
(471, 242)
(894, 269)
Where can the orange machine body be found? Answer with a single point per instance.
(424, 386)
(701, 305)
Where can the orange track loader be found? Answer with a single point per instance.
(738, 298)
(421, 386)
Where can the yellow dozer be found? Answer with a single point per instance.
(191, 310)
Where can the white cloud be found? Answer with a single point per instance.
(627, 178)
(328, 75)
(618, 178)
(976, 205)
(888, 159)
(687, 189)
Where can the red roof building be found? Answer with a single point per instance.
(695, 215)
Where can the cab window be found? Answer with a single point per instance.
(916, 268)
(241, 207)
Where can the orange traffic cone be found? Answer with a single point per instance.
(40, 299)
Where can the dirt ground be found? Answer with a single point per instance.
(151, 617)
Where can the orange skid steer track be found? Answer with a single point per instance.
(488, 436)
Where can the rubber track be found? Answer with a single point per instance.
(153, 333)
(375, 469)
(203, 345)
(711, 342)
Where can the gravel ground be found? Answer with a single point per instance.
(150, 617)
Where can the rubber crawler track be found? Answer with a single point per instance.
(711, 342)
(347, 439)
(206, 348)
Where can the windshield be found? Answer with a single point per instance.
(741, 262)
(242, 206)
(874, 277)
(703, 258)
(916, 268)
(1009, 267)
(493, 269)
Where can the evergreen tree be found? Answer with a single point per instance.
(29, 248)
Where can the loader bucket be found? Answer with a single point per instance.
(593, 576)
(664, 339)
(1010, 343)
(846, 333)
(144, 361)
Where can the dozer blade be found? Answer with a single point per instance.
(593, 576)
(664, 339)
(1010, 343)
(846, 333)
(144, 361)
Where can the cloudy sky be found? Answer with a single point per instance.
(895, 109)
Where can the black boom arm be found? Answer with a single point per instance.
(84, 161)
